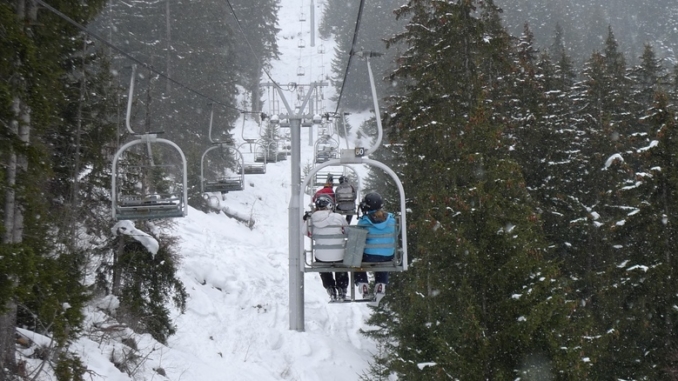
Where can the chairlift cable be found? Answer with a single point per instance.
(132, 58)
(350, 55)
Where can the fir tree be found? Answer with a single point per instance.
(481, 298)
(639, 306)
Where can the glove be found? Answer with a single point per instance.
(306, 216)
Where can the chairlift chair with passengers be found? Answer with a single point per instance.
(221, 167)
(399, 261)
(150, 189)
(357, 156)
(341, 201)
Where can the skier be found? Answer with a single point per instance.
(324, 227)
(379, 245)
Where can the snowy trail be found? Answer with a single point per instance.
(236, 324)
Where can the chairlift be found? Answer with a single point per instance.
(285, 147)
(325, 148)
(333, 175)
(301, 71)
(357, 156)
(301, 43)
(221, 166)
(399, 261)
(270, 146)
(254, 157)
(224, 172)
(152, 190)
(321, 49)
(302, 17)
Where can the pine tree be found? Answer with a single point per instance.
(148, 285)
(258, 44)
(43, 276)
(649, 77)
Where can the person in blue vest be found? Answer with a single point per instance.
(380, 244)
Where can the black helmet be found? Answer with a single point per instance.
(323, 202)
(342, 179)
(371, 201)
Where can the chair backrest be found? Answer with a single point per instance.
(382, 243)
(345, 196)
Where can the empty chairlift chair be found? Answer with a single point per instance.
(254, 156)
(222, 169)
(148, 176)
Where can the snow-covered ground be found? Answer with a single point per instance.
(236, 324)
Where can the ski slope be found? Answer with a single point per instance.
(236, 326)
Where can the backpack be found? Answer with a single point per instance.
(345, 197)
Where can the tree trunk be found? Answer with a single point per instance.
(169, 45)
(14, 212)
(255, 91)
(117, 254)
(7, 346)
(10, 193)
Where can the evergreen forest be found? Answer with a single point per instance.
(538, 157)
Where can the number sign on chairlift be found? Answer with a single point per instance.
(135, 192)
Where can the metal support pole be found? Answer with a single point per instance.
(296, 273)
(312, 24)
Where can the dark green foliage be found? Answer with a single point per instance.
(17, 266)
(148, 284)
(584, 22)
(482, 297)
(69, 368)
(42, 266)
(522, 178)
(640, 306)
(54, 305)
